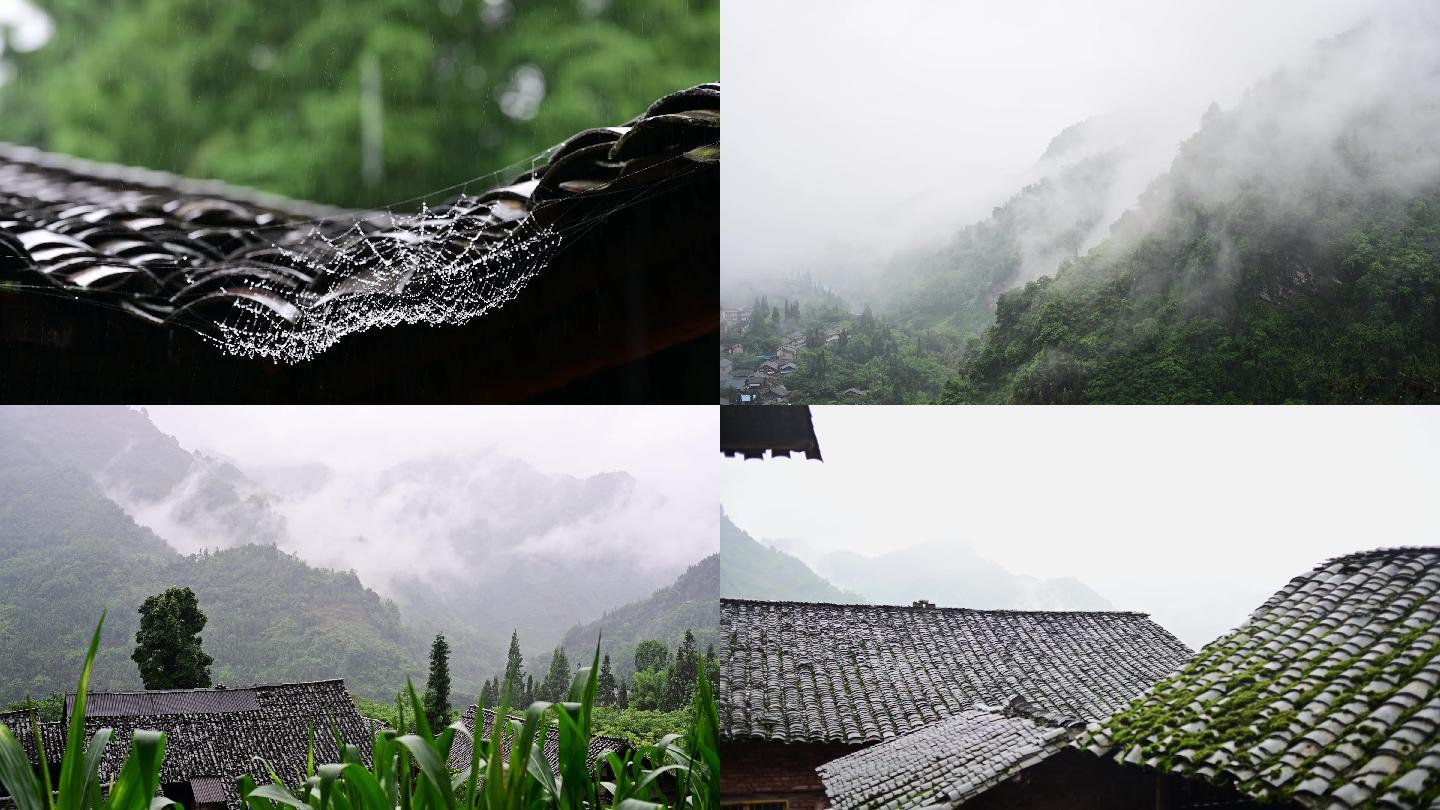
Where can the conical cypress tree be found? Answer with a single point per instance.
(514, 684)
(622, 700)
(437, 687)
(605, 684)
(556, 685)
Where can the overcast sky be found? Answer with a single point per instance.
(669, 448)
(1194, 515)
(853, 126)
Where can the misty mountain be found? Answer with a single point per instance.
(751, 570)
(691, 602)
(193, 500)
(67, 552)
(1289, 253)
(473, 546)
(951, 574)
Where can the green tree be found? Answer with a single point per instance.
(272, 94)
(557, 680)
(683, 676)
(513, 687)
(622, 699)
(651, 655)
(649, 688)
(168, 646)
(605, 684)
(437, 687)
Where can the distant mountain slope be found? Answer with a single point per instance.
(951, 574)
(749, 570)
(192, 500)
(692, 602)
(67, 553)
(1291, 253)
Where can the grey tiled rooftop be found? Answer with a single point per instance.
(803, 672)
(949, 762)
(1328, 695)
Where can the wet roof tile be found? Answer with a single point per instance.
(948, 762)
(808, 672)
(1327, 695)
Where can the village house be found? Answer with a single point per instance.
(802, 685)
(785, 353)
(213, 736)
(788, 368)
(855, 393)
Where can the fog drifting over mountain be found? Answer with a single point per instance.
(422, 495)
(1194, 515)
(896, 125)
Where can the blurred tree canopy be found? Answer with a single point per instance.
(272, 93)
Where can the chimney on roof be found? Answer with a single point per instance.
(922, 603)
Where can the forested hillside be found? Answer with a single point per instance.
(692, 603)
(1292, 253)
(67, 553)
(750, 570)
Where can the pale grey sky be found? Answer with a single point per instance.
(1194, 515)
(855, 126)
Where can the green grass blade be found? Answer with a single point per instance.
(74, 776)
(140, 775)
(16, 775)
(432, 766)
(279, 795)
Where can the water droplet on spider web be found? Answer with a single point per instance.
(426, 268)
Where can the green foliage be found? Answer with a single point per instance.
(437, 685)
(48, 709)
(409, 770)
(648, 689)
(638, 726)
(168, 646)
(78, 787)
(651, 655)
(270, 94)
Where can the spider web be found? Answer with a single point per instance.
(424, 268)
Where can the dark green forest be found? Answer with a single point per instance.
(286, 96)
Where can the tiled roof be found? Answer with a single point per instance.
(168, 701)
(1328, 695)
(460, 751)
(52, 735)
(612, 212)
(221, 739)
(804, 672)
(947, 763)
(752, 432)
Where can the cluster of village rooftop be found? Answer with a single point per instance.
(1328, 696)
(213, 736)
(754, 376)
